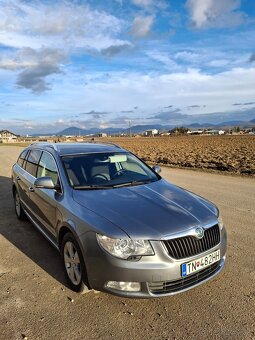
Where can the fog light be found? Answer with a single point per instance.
(125, 286)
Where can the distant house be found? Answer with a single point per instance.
(212, 132)
(165, 133)
(151, 133)
(215, 132)
(195, 132)
(222, 132)
(7, 137)
(102, 134)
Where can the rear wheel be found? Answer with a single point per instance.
(73, 262)
(18, 206)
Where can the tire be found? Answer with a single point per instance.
(18, 207)
(73, 264)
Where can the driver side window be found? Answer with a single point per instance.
(47, 167)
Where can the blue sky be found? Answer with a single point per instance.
(104, 63)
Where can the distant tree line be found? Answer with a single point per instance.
(236, 129)
(179, 130)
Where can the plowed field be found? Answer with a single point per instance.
(234, 154)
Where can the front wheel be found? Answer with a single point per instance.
(73, 262)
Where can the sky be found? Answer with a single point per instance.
(111, 63)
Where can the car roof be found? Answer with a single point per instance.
(64, 149)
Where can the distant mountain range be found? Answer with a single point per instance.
(74, 131)
(230, 123)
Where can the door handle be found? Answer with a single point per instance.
(31, 189)
(18, 178)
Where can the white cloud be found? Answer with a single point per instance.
(209, 56)
(219, 63)
(151, 91)
(164, 58)
(43, 34)
(28, 57)
(187, 56)
(36, 24)
(141, 26)
(150, 4)
(143, 3)
(215, 13)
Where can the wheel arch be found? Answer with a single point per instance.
(14, 188)
(65, 228)
(61, 233)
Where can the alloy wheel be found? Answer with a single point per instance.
(72, 263)
(17, 204)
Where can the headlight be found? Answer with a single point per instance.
(220, 222)
(124, 248)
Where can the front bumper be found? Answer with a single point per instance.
(159, 271)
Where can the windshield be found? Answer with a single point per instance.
(106, 170)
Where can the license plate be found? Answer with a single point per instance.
(198, 264)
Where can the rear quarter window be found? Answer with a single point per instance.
(32, 161)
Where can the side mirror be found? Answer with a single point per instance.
(156, 168)
(44, 183)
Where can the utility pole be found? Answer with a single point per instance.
(129, 128)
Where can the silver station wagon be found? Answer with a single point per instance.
(119, 226)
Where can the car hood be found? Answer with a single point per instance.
(149, 211)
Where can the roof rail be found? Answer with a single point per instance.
(50, 145)
(100, 142)
(53, 145)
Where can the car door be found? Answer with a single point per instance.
(27, 176)
(19, 175)
(45, 200)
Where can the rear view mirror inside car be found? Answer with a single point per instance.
(117, 158)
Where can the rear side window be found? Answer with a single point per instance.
(32, 161)
(48, 167)
(22, 158)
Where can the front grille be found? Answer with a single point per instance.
(182, 247)
(164, 287)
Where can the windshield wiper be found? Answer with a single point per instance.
(131, 183)
(91, 187)
(126, 184)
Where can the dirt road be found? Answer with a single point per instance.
(35, 302)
